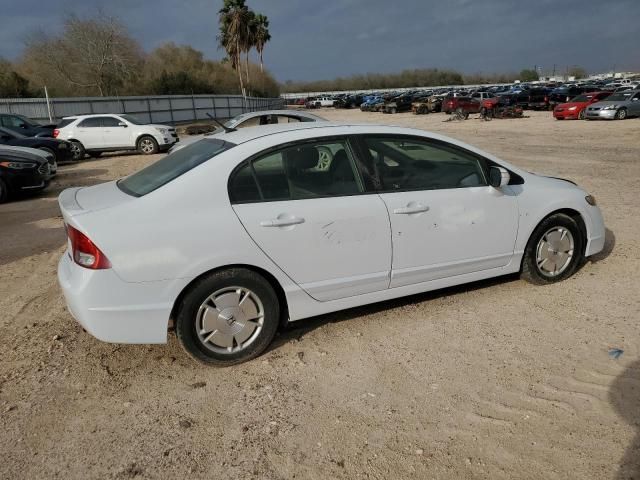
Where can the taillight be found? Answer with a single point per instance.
(56, 132)
(84, 251)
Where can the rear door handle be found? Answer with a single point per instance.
(282, 222)
(409, 209)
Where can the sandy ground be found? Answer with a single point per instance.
(494, 380)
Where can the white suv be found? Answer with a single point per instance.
(94, 134)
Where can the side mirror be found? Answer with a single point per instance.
(498, 177)
(122, 124)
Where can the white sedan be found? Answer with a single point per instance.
(244, 231)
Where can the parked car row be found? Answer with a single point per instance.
(23, 170)
(582, 100)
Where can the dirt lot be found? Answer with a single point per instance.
(495, 380)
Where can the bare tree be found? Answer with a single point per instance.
(95, 54)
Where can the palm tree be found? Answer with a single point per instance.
(234, 25)
(261, 35)
(249, 40)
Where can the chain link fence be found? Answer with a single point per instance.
(165, 109)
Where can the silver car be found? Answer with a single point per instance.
(254, 119)
(618, 106)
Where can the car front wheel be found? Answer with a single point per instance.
(147, 145)
(228, 317)
(621, 114)
(554, 250)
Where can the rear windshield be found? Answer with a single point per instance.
(172, 166)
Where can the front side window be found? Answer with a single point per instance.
(310, 170)
(172, 166)
(413, 164)
(111, 122)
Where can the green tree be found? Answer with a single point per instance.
(577, 72)
(528, 75)
(261, 35)
(234, 20)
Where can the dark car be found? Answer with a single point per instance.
(22, 170)
(538, 99)
(60, 149)
(25, 126)
(401, 103)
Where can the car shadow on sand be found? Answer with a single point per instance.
(624, 396)
(609, 245)
(298, 329)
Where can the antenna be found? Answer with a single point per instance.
(224, 127)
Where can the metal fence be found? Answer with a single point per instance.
(166, 109)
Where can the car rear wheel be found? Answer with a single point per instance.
(77, 150)
(228, 317)
(147, 145)
(4, 191)
(621, 114)
(554, 250)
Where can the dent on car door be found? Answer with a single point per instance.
(445, 218)
(313, 220)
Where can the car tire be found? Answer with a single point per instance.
(147, 145)
(621, 114)
(94, 154)
(77, 150)
(214, 328)
(4, 191)
(581, 115)
(394, 110)
(543, 261)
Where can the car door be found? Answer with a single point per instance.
(89, 133)
(445, 218)
(317, 224)
(634, 104)
(116, 133)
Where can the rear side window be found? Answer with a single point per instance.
(172, 166)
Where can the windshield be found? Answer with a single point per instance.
(172, 166)
(619, 97)
(28, 121)
(582, 98)
(132, 119)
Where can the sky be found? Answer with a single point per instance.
(314, 40)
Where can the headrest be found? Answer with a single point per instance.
(301, 158)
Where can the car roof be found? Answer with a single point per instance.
(91, 115)
(317, 129)
(259, 113)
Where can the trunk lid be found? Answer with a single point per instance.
(80, 200)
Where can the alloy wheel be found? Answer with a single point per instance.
(147, 146)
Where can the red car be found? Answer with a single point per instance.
(576, 107)
(468, 104)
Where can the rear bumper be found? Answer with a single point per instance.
(113, 310)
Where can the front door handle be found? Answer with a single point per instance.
(411, 208)
(282, 222)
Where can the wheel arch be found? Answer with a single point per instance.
(142, 135)
(570, 212)
(268, 276)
